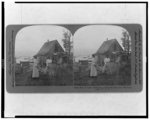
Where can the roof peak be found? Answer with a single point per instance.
(106, 45)
(51, 40)
(111, 39)
(49, 47)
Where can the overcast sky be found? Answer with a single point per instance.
(87, 39)
(30, 39)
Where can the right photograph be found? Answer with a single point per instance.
(102, 56)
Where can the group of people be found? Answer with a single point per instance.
(93, 67)
(36, 66)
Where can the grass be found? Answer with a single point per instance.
(82, 78)
(102, 79)
(64, 77)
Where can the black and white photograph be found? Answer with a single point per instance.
(75, 55)
(102, 56)
(43, 56)
(74, 59)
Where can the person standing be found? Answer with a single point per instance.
(35, 73)
(93, 70)
(48, 62)
(106, 61)
(50, 68)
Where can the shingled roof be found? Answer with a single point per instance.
(106, 46)
(49, 48)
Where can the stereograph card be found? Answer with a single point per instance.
(74, 58)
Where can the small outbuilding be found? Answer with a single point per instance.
(50, 49)
(109, 48)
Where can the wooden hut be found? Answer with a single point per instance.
(109, 48)
(50, 49)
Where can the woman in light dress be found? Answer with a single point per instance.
(51, 68)
(106, 66)
(48, 62)
(35, 73)
(93, 70)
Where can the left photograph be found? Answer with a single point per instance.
(43, 56)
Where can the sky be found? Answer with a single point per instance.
(30, 39)
(86, 40)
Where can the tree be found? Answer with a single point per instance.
(67, 43)
(126, 41)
